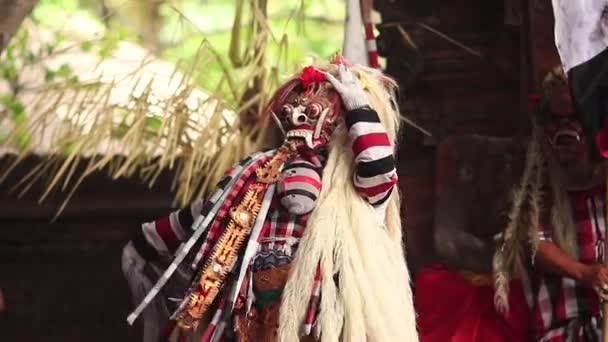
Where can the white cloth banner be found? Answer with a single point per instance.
(581, 30)
(354, 50)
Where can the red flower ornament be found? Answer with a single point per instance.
(601, 139)
(310, 75)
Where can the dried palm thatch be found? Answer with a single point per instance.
(131, 115)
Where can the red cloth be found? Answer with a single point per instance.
(450, 309)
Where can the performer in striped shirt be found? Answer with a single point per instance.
(567, 307)
(569, 276)
(322, 227)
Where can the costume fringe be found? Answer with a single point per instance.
(522, 226)
(562, 222)
(536, 197)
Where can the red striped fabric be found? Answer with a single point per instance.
(369, 140)
(372, 50)
(559, 300)
(313, 304)
(376, 190)
(216, 227)
(372, 150)
(166, 233)
(212, 326)
(302, 179)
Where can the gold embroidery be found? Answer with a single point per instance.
(271, 171)
(225, 252)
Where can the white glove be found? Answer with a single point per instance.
(348, 86)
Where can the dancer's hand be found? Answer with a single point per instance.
(348, 86)
(596, 277)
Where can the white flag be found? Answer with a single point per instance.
(354, 49)
(581, 30)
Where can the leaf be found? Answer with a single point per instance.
(15, 106)
(86, 46)
(19, 117)
(109, 43)
(30, 57)
(74, 81)
(154, 124)
(22, 40)
(65, 71)
(9, 71)
(68, 149)
(23, 140)
(49, 49)
(49, 75)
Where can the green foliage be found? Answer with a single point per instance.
(300, 30)
(15, 107)
(64, 71)
(109, 42)
(17, 112)
(16, 56)
(153, 124)
(54, 14)
(19, 55)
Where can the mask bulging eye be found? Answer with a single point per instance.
(286, 110)
(313, 110)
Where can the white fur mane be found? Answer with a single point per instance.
(365, 288)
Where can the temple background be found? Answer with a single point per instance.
(465, 67)
(471, 70)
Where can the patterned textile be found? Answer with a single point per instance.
(270, 258)
(575, 331)
(374, 178)
(260, 323)
(199, 227)
(232, 247)
(300, 186)
(247, 178)
(164, 235)
(313, 306)
(563, 308)
(375, 173)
